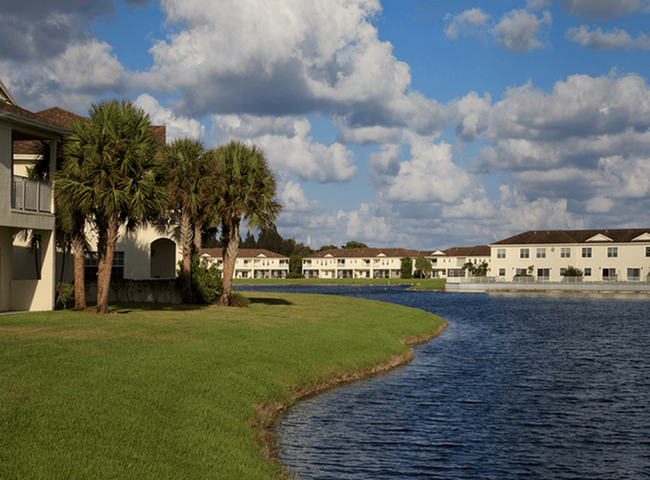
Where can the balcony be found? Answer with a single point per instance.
(31, 195)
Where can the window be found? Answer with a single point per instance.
(524, 253)
(502, 272)
(543, 273)
(562, 271)
(609, 274)
(586, 252)
(521, 271)
(91, 265)
(647, 251)
(565, 253)
(633, 274)
(612, 252)
(587, 272)
(501, 253)
(541, 253)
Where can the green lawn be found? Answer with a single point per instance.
(170, 392)
(416, 283)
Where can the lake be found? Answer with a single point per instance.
(519, 385)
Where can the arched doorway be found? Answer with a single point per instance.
(163, 258)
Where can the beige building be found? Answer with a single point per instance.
(449, 263)
(27, 278)
(621, 255)
(358, 262)
(252, 262)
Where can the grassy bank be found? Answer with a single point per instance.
(415, 283)
(165, 392)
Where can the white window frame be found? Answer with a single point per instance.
(524, 253)
(565, 252)
(501, 253)
(541, 253)
(586, 252)
(612, 252)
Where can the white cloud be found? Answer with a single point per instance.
(307, 159)
(177, 127)
(467, 23)
(292, 196)
(71, 80)
(614, 40)
(592, 9)
(430, 175)
(472, 115)
(517, 31)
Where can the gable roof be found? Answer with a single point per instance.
(6, 96)
(25, 117)
(243, 253)
(365, 253)
(476, 251)
(541, 237)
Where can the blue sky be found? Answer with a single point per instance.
(406, 123)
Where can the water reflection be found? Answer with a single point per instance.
(519, 385)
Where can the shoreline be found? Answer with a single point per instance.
(271, 414)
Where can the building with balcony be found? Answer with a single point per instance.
(358, 262)
(607, 255)
(251, 262)
(26, 206)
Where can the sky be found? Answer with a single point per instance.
(398, 123)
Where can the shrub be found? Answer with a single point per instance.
(64, 293)
(206, 281)
(295, 275)
(573, 272)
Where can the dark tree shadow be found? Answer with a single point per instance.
(270, 301)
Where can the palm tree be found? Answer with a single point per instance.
(188, 169)
(246, 192)
(112, 175)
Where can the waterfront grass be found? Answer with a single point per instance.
(415, 283)
(175, 392)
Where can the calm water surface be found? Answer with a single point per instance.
(534, 386)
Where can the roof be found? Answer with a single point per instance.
(366, 252)
(60, 117)
(25, 116)
(242, 253)
(477, 251)
(545, 237)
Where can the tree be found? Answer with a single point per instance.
(327, 247)
(353, 244)
(112, 173)
(407, 267)
(573, 272)
(247, 192)
(188, 168)
(423, 264)
(295, 263)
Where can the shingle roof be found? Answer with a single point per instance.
(476, 251)
(243, 253)
(366, 252)
(60, 117)
(625, 235)
(21, 112)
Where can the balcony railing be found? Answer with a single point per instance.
(31, 195)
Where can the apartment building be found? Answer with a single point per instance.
(252, 262)
(607, 255)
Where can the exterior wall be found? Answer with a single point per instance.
(256, 267)
(139, 263)
(359, 267)
(629, 255)
(15, 293)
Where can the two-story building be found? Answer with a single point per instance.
(251, 262)
(25, 205)
(602, 255)
(358, 262)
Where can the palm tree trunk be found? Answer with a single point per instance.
(78, 244)
(198, 228)
(186, 246)
(106, 254)
(230, 241)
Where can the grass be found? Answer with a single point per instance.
(416, 283)
(171, 392)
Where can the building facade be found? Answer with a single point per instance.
(608, 255)
(251, 262)
(358, 262)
